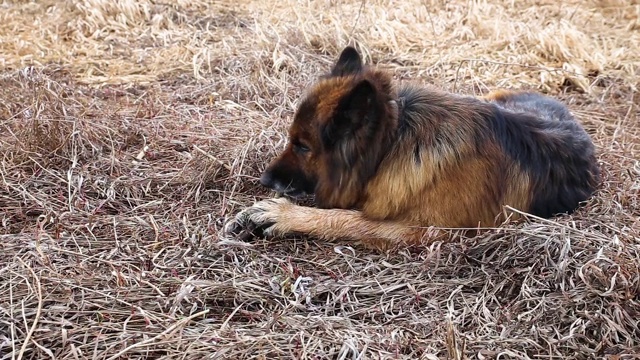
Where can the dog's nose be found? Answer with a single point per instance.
(266, 180)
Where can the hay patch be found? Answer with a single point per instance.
(131, 130)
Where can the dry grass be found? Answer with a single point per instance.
(130, 130)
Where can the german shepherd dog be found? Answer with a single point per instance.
(388, 165)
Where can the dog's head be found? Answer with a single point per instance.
(337, 135)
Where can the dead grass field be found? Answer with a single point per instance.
(131, 130)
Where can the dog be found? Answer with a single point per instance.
(390, 165)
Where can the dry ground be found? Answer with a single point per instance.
(130, 130)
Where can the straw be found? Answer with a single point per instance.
(131, 131)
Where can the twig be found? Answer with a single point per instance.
(213, 158)
(169, 330)
(355, 23)
(38, 310)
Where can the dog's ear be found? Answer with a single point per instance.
(349, 63)
(354, 110)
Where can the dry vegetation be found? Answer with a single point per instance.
(131, 130)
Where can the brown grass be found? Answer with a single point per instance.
(131, 130)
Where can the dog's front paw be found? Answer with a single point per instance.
(259, 220)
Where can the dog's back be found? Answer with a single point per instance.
(463, 158)
(555, 149)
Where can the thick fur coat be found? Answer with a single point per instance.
(387, 165)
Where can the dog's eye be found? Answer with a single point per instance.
(300, 149)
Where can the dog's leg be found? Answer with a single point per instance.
(280, 217)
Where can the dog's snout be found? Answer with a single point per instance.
(266, 180)
(272, 181)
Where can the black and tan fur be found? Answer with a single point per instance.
(386, 164)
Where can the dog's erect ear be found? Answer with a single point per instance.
(349, 63)
(354, 110)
